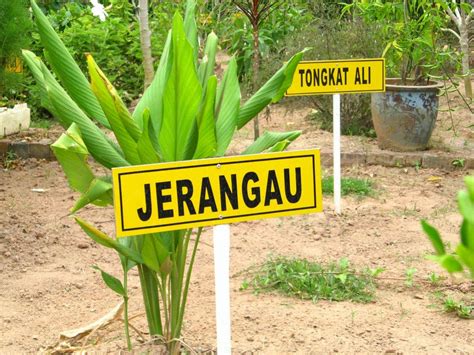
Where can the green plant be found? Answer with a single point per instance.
(409, 275)
(184, 114)
(349, 186)
(309, 280)
(15, 26)
(463, 257)
(462, 311)
(114, 43)
(458, 163)
(434, 278)
(10, 160)
(410, 28)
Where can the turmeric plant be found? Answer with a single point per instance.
(186, 113)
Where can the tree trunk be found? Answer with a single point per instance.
(145, 41)
(256, 71)
(464, 42)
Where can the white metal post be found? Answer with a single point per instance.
(221, 235)
(336, 106)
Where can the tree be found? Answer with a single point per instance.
(145, 41)
(256, 11)
(462, 13)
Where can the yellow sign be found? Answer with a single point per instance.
(179, 195)
(338, 77)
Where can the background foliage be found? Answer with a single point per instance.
(15, 26)
(322, 25)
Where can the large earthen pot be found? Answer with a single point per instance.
(404, 116)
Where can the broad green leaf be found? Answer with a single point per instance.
(190, 27)
(127, 264)
(154, 253)
(206, 146)
(153, 97)
(181, 97)
(467, 234)
(227, 107)
(99, 193)
(467, 257)
(97, 143)
(466, 206)
(206, 67)
(111, 281)
(66, 68)
(34, 63)
(146, 151)
(450, 263)
(280, 146)
(72, 154)
(469, 181)
(115, 111)
(270, 139)
(272, 91)
(434, 237)
(103, 239)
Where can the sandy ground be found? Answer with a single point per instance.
(48, 285)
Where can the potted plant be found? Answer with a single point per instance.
(404, 116)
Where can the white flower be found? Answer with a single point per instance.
(98, 10)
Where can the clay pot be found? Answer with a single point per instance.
(404, 116)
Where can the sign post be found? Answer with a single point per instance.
(336, 151)
(217, 191)
(221, 239)
(338, 77)
(197, 193)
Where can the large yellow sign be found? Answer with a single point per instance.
(179, 195)
(338, 77)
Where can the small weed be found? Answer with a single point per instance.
(349, 186)
(458, 163)
(10, 160)
(434, 279)
(308, 280)
(459, 308)
(409, 274)
(418, 166)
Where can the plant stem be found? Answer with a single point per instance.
(151, 300)
(188, 278)
(125, 311)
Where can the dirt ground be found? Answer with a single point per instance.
(48, 285)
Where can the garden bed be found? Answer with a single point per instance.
(49, 285)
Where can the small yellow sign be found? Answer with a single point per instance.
(338, 77)
(179, 195)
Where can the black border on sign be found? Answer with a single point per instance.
(382, 89)
(314, 205)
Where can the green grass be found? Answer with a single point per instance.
(349, 186)
(41, 123)
(309, 280)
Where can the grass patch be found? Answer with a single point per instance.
(308, 280)
(41, 123)
(349, 186)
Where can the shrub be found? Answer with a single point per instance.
(285, 18)
(330, 39)
(15, 26)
